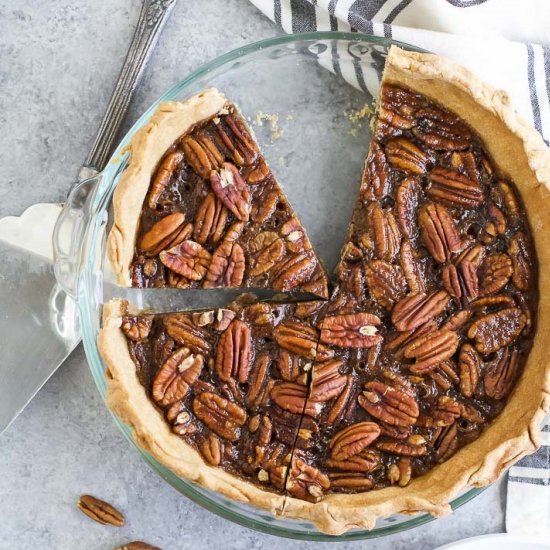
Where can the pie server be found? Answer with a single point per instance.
(39, 321)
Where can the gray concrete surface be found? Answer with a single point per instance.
(58, 63)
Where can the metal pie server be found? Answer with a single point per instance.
(38, 321)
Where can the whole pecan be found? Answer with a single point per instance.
(306, 482)
(406, 204)
(495, 272)
(454, 189)
(184, 331)
(223, 417)
(293, 397)
(234, 355)
(469, 364)
(188, 258)
(258, 379)
(265, 250)
(301, 339)
(167, 167)
(518, 249)
(211, 449)
(232, 190)
(202, 154)
(392, 406)
(294, 270)
(405, 155)
(210, 220)
(375, 179)
(385, 232)
(136, 327)
(177, 374)
(439, 232)
(352, 440)
(431, 349)
(100, 511)
(496, 330)
(441, 130)
(227, 266)
(501, 374)
(417, 309)
(386, 282)
(166, 233)
(326, 381)
(356, 330)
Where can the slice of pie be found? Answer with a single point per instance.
(198, 206)
(425, 371)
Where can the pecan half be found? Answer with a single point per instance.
(501, 374)
(180, 419)
(456, 321)
(293, 271)
(417, 309)
(375, 180)
(210, 220)
(227, 266)
(266, 249)
(362, 462)
(446, 443)
(461, 279)
(431, 349)
(511, 203)
(454, 189)
(259, 173)
(167, 167)
(339, 406)
(496, 330)
(234, 356)
(495, 272)
(406, 203)
(136, 327)
(444, 413)
(441, 130)
(439, 232)
(469, 364)
(411, 268)
(386, 282)
(293, 397)
(400, 472)
(326, 381)
(258, 379)
(222, 416)
(232, 190)
(288, 364)
(241, 144)
(352, 440)
(392, 406)
(201, 154)
(405, 155)
(518, 249)
(189, 259)
(306, 482)
(211, 449)
(294, 236)
(356, 330)
(399, 106)
(166, 233)
(414, 446)
(100, 511)
(182, 329)
(385, 232)
(354, 480)
(301, 339)
(177, 374)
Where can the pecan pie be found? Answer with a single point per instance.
(422, 374)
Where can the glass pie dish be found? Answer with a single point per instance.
(308, 98)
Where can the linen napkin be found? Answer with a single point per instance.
(507, 42)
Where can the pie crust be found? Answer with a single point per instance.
(520, 154)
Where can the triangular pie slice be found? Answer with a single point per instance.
(431, 384)
(198, 206)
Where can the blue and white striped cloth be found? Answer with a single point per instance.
(508, 43)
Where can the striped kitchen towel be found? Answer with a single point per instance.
(507, 42)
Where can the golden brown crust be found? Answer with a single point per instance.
(521, 154)
(127, 398)
(168, 122)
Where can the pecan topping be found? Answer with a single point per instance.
(386, 282)
(167, 167)
(266, 249)
(210, 220)
(182, 329)
(356, 463)
(356, 481)
(392, 406)
(288, 365)
(496, 330)
(469, 364)
(327, 382)
(232, 190)
(234, 357)
(406, 203)
(417, 309)
(375, 180)
(415, 446)
(400, 472)
(352, 440)
(293, 397)
(502, 373)
(439, 232)
(136, 327)
(201, 154)
(258, 379)
(411, 269)
(405, 155)
(518, 250)
(431, 349)
(227, 266)
(211, 449)
(356, 330)
(441, 130)
(454, 189)
(495, 272)
(306, 482)
(222, 416)
(189, 259)
(301, 339)
(385, 233)
(259, 173)
(294, 236)
(177, 374)
(294, 271)
(241, 144)
(398, 106)
(339, 406)
(100, 511)
(445, 413)
(180, 419)
(446, 443)
(510, 201)
(166, 233)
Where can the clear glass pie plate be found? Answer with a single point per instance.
(307, 97)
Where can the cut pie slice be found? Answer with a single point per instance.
(198, 206)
